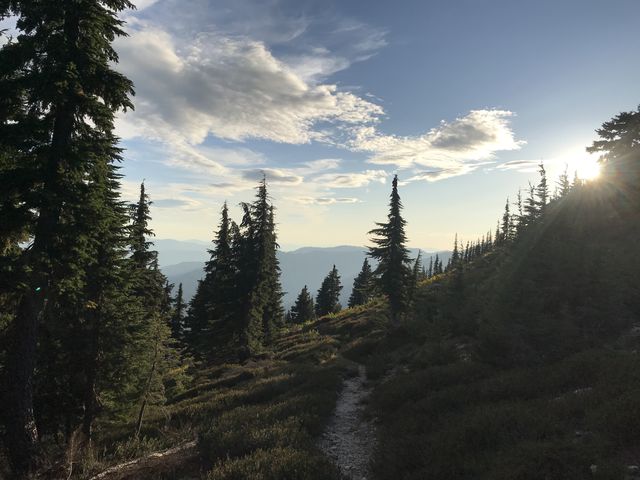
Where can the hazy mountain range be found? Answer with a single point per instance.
(183, 261)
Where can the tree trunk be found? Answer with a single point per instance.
(22, 432)
(145, 397)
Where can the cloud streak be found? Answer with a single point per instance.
(352, 180)
(450, 149)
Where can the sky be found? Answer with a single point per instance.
(329, 99)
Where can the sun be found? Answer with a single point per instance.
(588, 169)
(585, 165)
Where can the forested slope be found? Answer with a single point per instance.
(526, 362)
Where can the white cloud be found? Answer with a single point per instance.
(520, 165)
(452, 148)
(142, 4)
(7, 29)
(316, 166)
(441, 174)
(351, 180)
(230, 87)
(272, 175)
(325, 200)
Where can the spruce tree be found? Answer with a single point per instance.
(416, 275)
(61, 97)
(437, 266)
(542, 190)
(177, 318)
(519, 219)
(303, 310)
(363, 286)
(328, 298)
(619, 146)
(260, 310)
(531, 207)
(507, 230)
(563, 184)
(212, 314)
(389, 250)
(152, 354)
(455, 260)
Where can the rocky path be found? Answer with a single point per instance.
(349, 439)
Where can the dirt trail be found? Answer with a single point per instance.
(349, 438)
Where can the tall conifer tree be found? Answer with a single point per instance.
(62, 94)
(619, 146)
(389, 250)
(177, 318)
(542, 190)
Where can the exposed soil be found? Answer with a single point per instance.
(349, 438)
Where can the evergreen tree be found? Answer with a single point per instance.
(619, 146)
(328, 297)
(389, 249)
(455, 255)
(542, 190)
(507, 230)
(531, 206)
(363, 286)
(152, 354)
(519, 219)
(211, 319)
(273, 315)
(303, 310)
(416, 274)
(196, 320)
(430, 269)
(437, 266)
(577, 181)
(259, 288)
(177, 319)
(60, 95)
(564, 186)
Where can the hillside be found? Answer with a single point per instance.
(524, 366)
(247, 126)
(260, 419)
(304, 266)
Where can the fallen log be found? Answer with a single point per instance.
(156, 462)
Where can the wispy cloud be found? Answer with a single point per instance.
(325, 200)
(451, 148)
(520, 165)
(232, 88)
(272, 175)
(352, 179)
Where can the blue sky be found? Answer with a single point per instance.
(330, 98)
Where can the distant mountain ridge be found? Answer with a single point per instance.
(183, 262)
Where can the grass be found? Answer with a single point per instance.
(259, 420)
(469, 420)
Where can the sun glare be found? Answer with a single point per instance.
(584, 164)
(588, 169)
